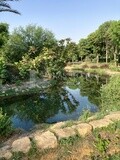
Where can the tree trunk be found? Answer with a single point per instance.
(81, 58)
(106, 53)
(115, 56)
(97, 58)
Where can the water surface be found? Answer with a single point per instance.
(64, 102)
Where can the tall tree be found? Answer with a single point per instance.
(84, 48)
(3, 33)
(5, 7)
(104, 38)
(114, 33)
(31, 40)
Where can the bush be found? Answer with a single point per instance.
(12, 73)
(94, 66)
(104, 66)
(110, 94)
(24, 66)
(5, 124)
(84, 66)
(3, 70)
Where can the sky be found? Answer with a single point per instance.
(73, 19)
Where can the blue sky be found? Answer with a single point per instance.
(65, 18)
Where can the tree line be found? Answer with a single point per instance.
(33, 47)
(103, 45)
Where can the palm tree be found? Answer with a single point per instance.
(5, 7)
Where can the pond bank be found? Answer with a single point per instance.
(61, 133)
(23, 88)
(101, 69)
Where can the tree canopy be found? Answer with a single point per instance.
(31, 40)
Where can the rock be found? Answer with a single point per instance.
(46, 140)
(5, 152)
(57, 126)
(100, 123)
(115, 116)
(65, 132)
(22, 145)
(83, 129)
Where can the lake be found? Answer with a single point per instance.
(65, 101)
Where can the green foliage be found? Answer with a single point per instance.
(110, 94)
(85, 115)
(101, 144)
(33, 152)
(31, 40)
(69, 141)
(102, 45)
(114, 157)
(71, 51)
(3, 70)
(50, 63)
(24, 66)
(83, 48)
(68, 123)
(102, 141)
(17, 156)
(3, 34)
(5, 124)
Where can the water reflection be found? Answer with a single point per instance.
(66, 101)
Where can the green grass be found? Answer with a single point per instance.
(33, 152)
(69, 123)
(69, 141)
(85, 115)
(17, 156)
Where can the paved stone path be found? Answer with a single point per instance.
(50, 138)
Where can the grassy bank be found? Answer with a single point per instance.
(100, 68)
(102, 144)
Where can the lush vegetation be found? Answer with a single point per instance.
(110, 94)
(36, 48)
(5, 124)
(103, 45)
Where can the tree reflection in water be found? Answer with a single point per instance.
(63, 101)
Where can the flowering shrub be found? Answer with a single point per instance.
(24, 66)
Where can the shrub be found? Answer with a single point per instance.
(5, 124)
(110, 94)
(94, 66)
(3, 70)
(12, 73)
(84, 66)
(104, 66)
(24, 66)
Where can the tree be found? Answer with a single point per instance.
(5, 7)
(83, 48)
(29, 40)
(104, 38)
(104, 43)
(95, 44)
(72, 51)
(114, 33)
(3, 33)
